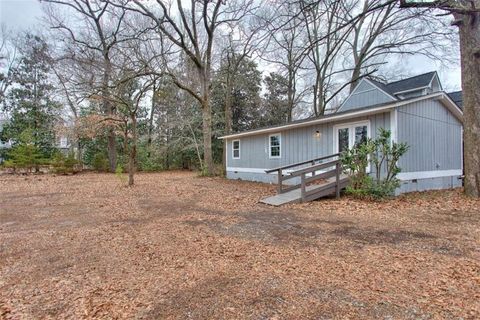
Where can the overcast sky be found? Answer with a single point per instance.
(25, 14)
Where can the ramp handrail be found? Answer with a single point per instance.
(312, 161)
(302, 173)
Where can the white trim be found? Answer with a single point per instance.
(438, 80)
(226, 153)
(251, 170)
(358, 85)
(279, 146)
(260, 170)
(368, 90)
(233, 149)
(441, 95)
(428, 174)
(412, 90)
(461, 151)
(351, 137)
(385, 92)
(394, 125)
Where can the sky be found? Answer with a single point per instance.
(19, 14)
(25, 14)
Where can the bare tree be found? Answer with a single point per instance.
(466, 16)
(325, 46)
(193, 29)
(243, 41)
(96, 31)
(387, 31)
(8, 60)
(286, 48)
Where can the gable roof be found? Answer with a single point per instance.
(393, 89)
(364, 111)
(457, 97)
(416, 82)
(383, 86)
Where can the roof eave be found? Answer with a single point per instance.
(439, 95)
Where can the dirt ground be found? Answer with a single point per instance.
(177, 246)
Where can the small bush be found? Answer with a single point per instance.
(25, 154)
(384, 156)
(100, 162)
(65, 164)
(119, 174)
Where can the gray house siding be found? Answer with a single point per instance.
(297, 145)
(435, 139)
(433, 134)
(365, 94)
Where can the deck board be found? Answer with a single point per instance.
(294, 196)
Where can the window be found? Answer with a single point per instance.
(350, 134)
(274, 143)
(236, 149)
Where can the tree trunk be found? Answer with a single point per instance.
(110, 111)
(355, 76)
(207, 138)
(133, 152)
(228, 121)
(469, 30)
(150, 121)
(290, 94)
(206, 121)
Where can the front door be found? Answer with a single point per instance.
(349, 134)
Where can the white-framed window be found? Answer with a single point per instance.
(347, 135)
(236, 149)
(274, 146)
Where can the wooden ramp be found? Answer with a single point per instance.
(314, 192)
(327, 181)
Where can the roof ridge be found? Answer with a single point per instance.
(418, 75)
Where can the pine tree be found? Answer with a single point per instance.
(29, 101)
(25, 154)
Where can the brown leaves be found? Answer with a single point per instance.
(179, 246)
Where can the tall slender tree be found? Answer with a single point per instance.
(193, 29)
(92, 39)
(29, 102)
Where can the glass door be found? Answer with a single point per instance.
(343, 139)
(349, 135)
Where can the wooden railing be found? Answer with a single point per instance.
(303, 172)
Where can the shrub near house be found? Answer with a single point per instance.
(384, 155)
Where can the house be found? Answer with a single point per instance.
(62, 143)
(3, 145)
(416, 110)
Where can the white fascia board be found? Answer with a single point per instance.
(411, 90)
(386, 93)
(312, 122)
(405, 176)
(438, 80)
(352, 93)
(450, 105)
(440, 95)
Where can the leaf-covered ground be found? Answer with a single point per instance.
(176, 246)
